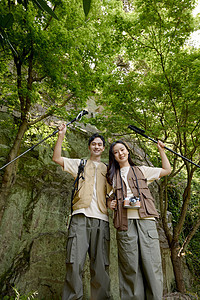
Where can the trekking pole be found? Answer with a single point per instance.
(142, 132)
(78, 118)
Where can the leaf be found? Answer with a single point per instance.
(86, 6)
(43, 5)
(6, 21)
(23, 2)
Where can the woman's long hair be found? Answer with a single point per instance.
(113, 165)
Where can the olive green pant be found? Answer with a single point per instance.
(139, 261)
(92, 236)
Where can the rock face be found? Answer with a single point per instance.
(33, 230)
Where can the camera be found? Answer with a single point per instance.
(132, 202)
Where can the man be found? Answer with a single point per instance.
(89, 227)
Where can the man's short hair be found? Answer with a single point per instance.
(94, 136)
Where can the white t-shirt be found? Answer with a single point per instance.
(93, 211)
(150, 174)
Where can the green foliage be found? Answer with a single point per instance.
(7, 20)
(193, 258)
(35, 134)
(174, 203)
(175, 192)
(53, 58)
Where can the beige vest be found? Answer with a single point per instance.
(83, 196)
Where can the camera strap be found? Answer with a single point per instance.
(136, 183)
(121, 184)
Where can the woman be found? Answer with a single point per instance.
(139, 259)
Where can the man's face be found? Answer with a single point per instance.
(96, 147)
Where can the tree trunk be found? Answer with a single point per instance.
(174, 245)
(177, 267)
(10, 171)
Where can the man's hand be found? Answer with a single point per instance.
(57, 158)
(62, 130)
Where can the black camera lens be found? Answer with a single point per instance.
(132, 200)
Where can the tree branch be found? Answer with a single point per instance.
(189, 237)
(51, 110)
(186, 200)
(29, 82)
(49, 21)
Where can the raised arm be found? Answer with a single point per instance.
(166, 167)
(57, 158)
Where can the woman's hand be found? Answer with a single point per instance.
(160, 145)
(166, 167)
(112, 204)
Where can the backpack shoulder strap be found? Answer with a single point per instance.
(80, 174)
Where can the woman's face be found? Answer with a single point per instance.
(121, 154)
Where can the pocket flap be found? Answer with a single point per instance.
(153, 234)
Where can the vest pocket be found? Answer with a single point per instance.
(142, 182)
(149, 205)
(71, 248)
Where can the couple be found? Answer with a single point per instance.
(139, 260)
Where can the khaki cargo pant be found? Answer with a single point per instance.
(139, 261)
(93, 236)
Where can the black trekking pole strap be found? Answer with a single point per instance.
(78, 118)
(142, 132)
